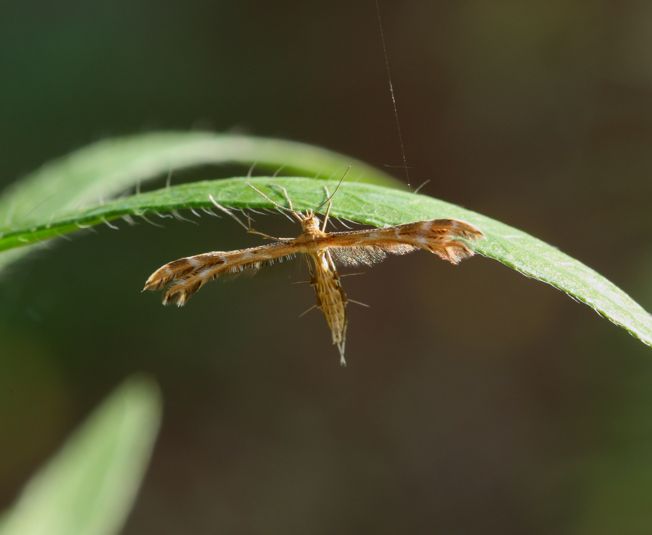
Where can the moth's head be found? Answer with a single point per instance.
(310, 223)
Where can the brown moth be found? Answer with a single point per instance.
(323, 252)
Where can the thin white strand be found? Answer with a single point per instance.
(108, 224)
(178, 216)
(145, 218)
(251, 169)
(163, 215)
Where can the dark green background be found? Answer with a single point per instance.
(476, 401)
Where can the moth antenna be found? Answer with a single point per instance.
(330, 197)
(421, 185)
(391, 92)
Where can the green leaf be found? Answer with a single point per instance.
(90, 485)
(377, 206)
(108, 167)
(104, 169)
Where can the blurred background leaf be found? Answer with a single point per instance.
(90, 485)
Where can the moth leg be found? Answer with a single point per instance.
(265, 236)
(291, 209)
(226, 211)
(313, 307)
(282, 208)
(358, 303)
(287, 198)
(252, 230)
(248, 226)
(329, 205)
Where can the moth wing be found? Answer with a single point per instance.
(444, 237)
(367, 255)
(182, 278)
